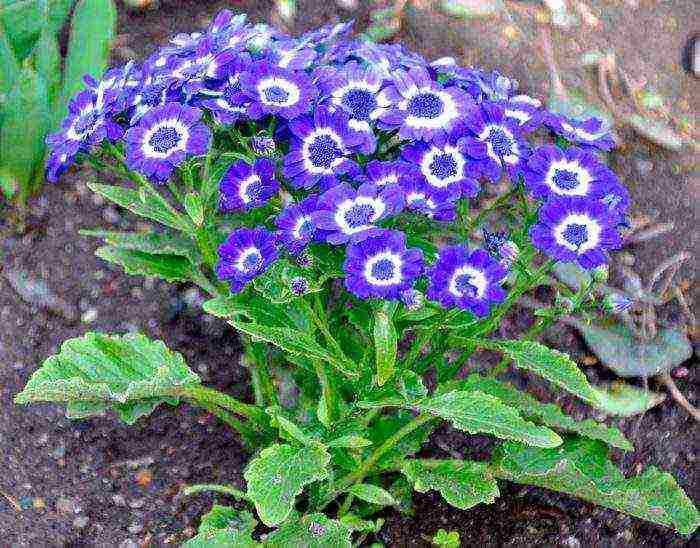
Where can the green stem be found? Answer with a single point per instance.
(326, 389)
(205, 396)
(225, 489)
(263, 386)
(479, 219)
(247, 433)
(318, 317)
(206, 247)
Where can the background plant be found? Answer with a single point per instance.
(36, 83)
(350, 374)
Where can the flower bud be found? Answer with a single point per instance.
(263, 145)
(601, 273)
(412, 299)
(299, 285)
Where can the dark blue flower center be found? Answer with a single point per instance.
(307, 229)
(443, 166)
(323, 151)
(230, 93)
(500, 142)
(565, 179)
(254, 190)
(164, 139)
(360, 103)
(383, 269)
(425, 105)
(576, 234)
(464, 286)
(275, 94)
(85, 122)
(153, 95)
(359, 215)
(252, 262)
(194, 71)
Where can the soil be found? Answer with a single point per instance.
(99, 483)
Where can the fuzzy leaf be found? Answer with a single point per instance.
(194, 208)
(129, 373)
(252, 307)
(276, 284)
(150, 205)
(385, 341)
(461, 483)
(555, 366)
(548, 414)
(312, 531)
(582, 468)
(350, 440)
(476, 412)
(372, 494)
(9, 67)
(46, 58)
(223, 527)
(386, 426)
(278, 474)
(443, 539)
(137, 263)
(293, 430)
(157, 243)
(624, 400)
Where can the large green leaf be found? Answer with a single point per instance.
(385, 341)
(224, 527)
(462, 483)
(253, 307)
(129, 373)
(23, 20)
(157, 243)
(372, 494)
(9, 67)
(310, 531)
(276, 284)
(93, 28)
(172, 268)
(582, 468)
(149, 205)
(546, 413)
(278, 474)
(24, 127)
(476, 412)
(46, 59)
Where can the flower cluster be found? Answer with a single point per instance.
(356, 141)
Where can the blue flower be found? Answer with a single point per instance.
(381, 267)
(467, 280)
(246, 254)
(388, 173)
(422, 198)
(246, 186)
(296, 225)
(589, 133)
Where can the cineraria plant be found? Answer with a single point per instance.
(324, 192)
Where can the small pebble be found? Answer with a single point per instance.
(644, 167)
(65, 506)
(81, 522)
(89, 316)
(135, 528)
(128, 543)
(137, 503)
(119, 500)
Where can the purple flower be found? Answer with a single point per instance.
(412, 299)
(153, 89)
(163, 138)
(297, 227)
(445, 168)
(263, 145)
(299, 285)
(590, 133)
(350, 214)
(273, 90)
(246, 254)
(388, 173)
(423, 198)
(356, 91)
(320, 149)
(289, 54)
(570, 172)
(504, 146)
(525, 112)
(224, 101)
(467, 280)
(501, 248)
(577, 229)
(423, 110)
(617, 200)
(112, 91)
(381, 267)
(191, 72)
(246, 186)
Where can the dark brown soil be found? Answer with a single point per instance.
(100, 483)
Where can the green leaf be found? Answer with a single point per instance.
(23, 129)
(129, 373)
(312, 531)
(276, 284)
(461, 483)
(476, 412)
(137, 263)
(443, 539)
(155, 243)
(294, 342)
(23, 20)
(150, 205)
(624, 400)
(46, 58)
(545, 413)
(385, 341)
(223, 527)
(9, 67)
(93, 28)
(386, 426)
(351, 441)
(278, 474)
(194, 208)
(294, 431)
(555, 366)
(253, 307)
(372, 494)
(582, 468)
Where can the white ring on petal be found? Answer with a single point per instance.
(396, 262)
(244, 256)
(476, 278)
(378, 208)
(430, 156)
(449, 110)
(583, 178)
(182, 130)
(301, 221)
(593, 230)
(244, 185)
(292, 90)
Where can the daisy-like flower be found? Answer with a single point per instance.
(289, 54)
(422, 198)
(589, 133)
(113, 89)
(501, 248)
(381, 267)
(617, 200)
(246, 254)
(388, 173)
(263, 145)
(504, 147)
(350, 215)
(268, 89)
(191, 72)
(571, 172)
(163, 138)
(576, 229)
(297, 228)
(320, 149)
(224, 100)
(446, 168)
(467, 280)
(422, 109)
(246, 186)
(356, 91)
(525, 112)
(153, 89)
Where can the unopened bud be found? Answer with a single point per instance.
(299, 285)
(263, 145)
(412, 299)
